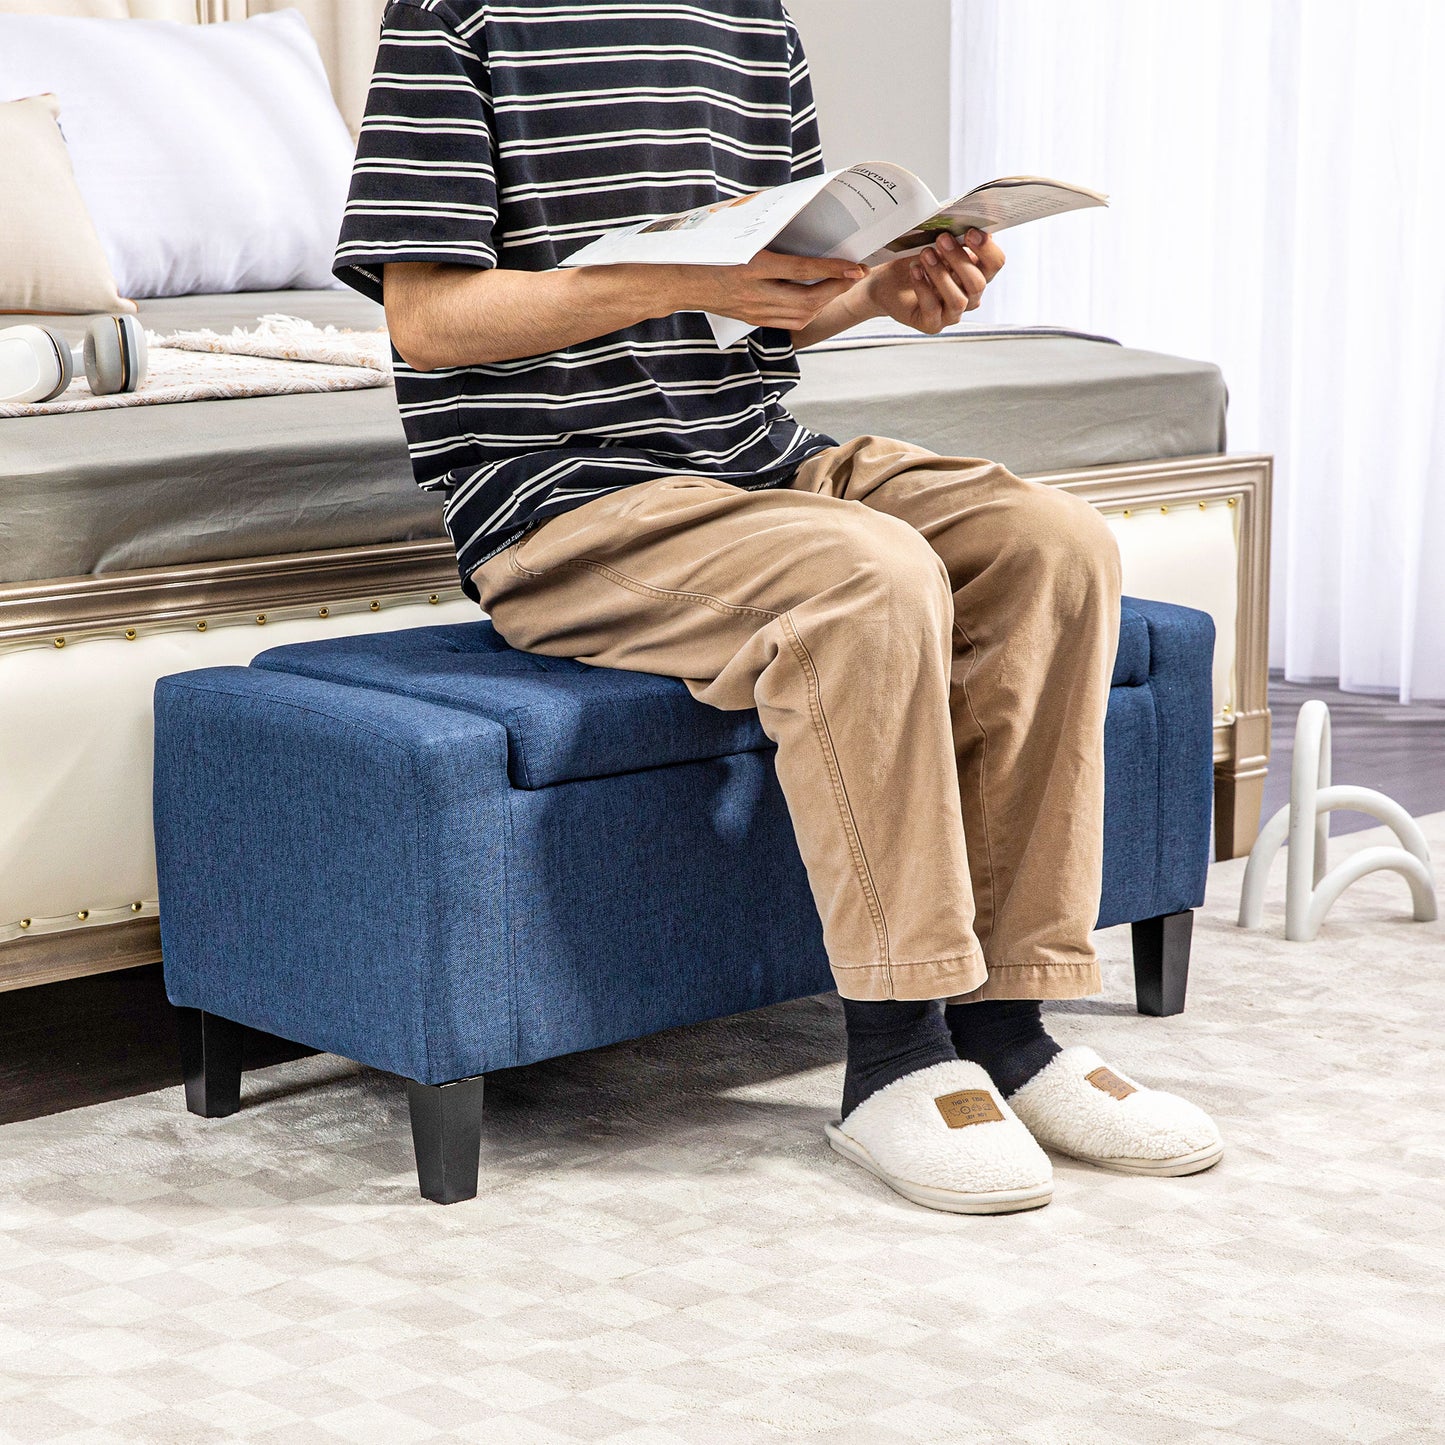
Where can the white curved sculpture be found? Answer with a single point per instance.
(1310, 886)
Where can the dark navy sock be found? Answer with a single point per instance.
(1006, 1036)
(888, 1040)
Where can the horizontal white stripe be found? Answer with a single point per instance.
(623, 140)
(431, 85)
(424, 40)
(631, 54)
(425, 125)
(445, 210)
(587, 356)
(406, 166)
(606, 185)
(382, 249)
(424, 80)
(639, 95)
(540, 15)
(567, 401)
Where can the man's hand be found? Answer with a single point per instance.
(927, 292)
(933, 289)
(771, 290)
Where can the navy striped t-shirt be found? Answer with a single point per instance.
(511, 135)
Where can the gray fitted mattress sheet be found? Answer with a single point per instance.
(1034, 403)
(107, 491)
(151, 486)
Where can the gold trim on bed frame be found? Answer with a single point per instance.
(70, 605)
(79, 952)
(77, 605)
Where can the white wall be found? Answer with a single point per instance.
(881, 77)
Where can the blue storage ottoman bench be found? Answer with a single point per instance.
(438, 856)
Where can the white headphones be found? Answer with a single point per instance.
(37, 364)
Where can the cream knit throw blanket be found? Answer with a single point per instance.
(282, 355)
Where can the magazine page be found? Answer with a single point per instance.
(995, 206)
(726, 233)
(854, 215)
(857, 212)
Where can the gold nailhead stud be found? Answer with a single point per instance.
(375, 605)
(25, 923)
(433, 598)
(1234, 501)
(83, 914)
(323, 612)
(1127, 512)
(130, 634)
(201, 625)
(136, 907)
(260, 619)
(1203, 506)
(1164, 511)
(60, 642)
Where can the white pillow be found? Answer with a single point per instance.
(211, 157)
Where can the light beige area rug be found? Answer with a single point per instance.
(664, 1250)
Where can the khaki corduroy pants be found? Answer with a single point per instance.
(929, 641)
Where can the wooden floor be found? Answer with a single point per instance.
(1377, 744)
(94, 1039)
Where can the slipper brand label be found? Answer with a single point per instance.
(968, 1106)
(1110, 1083)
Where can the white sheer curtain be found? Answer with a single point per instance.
(1278, 207)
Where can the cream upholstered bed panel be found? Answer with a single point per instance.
(76, 848)
(1188, 555)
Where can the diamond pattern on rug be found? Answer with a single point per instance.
(665, 1251)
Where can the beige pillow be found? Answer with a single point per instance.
(50, 256)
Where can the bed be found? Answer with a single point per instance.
(143, 541)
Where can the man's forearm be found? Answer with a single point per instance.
(441, 316)
(838, 315)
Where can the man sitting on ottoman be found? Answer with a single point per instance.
(928, 640)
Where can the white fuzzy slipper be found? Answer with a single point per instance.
(1077, 1105)
(943, 1137)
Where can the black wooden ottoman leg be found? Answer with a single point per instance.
(210, 1062)
(1161, 962)
(446, 1132)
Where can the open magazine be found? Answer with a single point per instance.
(869, 213)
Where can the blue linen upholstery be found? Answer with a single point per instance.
(564, 720)
(561, 730)
(438, 856)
